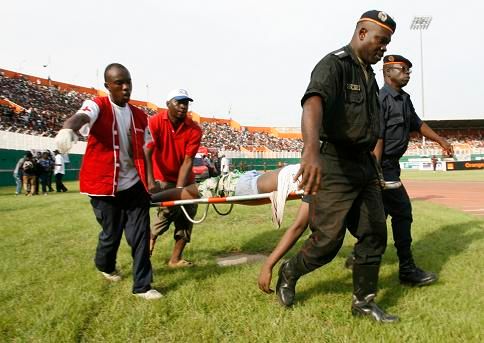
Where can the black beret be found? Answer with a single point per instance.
(393, 59)
(379, 18)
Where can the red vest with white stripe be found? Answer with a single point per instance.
(100, 166)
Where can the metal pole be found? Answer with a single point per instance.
(421, 23)
(422, 82)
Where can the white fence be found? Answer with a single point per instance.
(255, 154)
(19, 141)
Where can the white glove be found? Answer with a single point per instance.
(64, 140)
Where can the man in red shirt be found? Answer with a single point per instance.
(175, 139)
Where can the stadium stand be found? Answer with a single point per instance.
(227, 138)
(33, 107)
(37, 106)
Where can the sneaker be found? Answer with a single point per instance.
(113, 276)
(152, 294)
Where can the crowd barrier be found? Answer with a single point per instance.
(13, 145)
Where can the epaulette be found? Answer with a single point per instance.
(341, 53)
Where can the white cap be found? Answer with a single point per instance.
(179, 94)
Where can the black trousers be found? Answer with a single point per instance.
(348, 185)
(43, 181)
(397, 204)
(128, 210)
(49, 180)
(59, 186)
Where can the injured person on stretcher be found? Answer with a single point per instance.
(280, 183)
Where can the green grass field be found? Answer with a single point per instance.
(461, 175)
(51, 292)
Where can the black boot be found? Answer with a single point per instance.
(365, 279)
(412, 275)
(289, 273)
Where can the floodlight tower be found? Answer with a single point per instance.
(420, 24)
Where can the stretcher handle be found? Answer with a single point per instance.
(193, 220)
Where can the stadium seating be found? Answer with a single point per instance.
(36, 107)
(227, 138)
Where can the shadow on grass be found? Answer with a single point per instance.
(431, 252)
(169, 280)
(92, 311)
(434, 250)
(262, 243)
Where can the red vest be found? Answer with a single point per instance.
(100, 165)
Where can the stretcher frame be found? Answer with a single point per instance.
(252, 200)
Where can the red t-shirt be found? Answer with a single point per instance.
(170, 147)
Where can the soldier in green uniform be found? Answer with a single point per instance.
(341, 110)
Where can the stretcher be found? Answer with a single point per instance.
(253, 200)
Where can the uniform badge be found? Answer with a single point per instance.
(391, 58)
(382, 16)
(353, 87)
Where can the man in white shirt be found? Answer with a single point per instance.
(59, 171)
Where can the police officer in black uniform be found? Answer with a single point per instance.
(341, 109)
(398, 119)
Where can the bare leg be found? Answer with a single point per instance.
(267, 182)
(185, 193)
(287, 241)
(152, 243)
(177, 253)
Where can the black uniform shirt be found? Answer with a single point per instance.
(350, 102)
(398, 119)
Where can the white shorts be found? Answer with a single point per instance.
(247, 183)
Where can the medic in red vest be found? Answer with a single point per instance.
(113, 175)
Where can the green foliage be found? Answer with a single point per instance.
(51, 292)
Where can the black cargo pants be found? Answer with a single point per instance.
(349, 182)
(397, 204)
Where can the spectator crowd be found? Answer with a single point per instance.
(45, 108)
(225, 137)
(471, 141)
